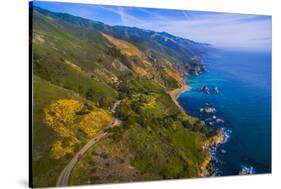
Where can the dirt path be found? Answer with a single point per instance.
(64, 176)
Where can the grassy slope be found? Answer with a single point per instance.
(74, 62)
(56, 77)
(138, 153)
(50, 61)
(153, 143)
(45, 169)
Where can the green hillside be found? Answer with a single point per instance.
(81, 68)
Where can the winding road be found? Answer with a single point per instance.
(64, 176)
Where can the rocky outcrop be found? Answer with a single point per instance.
(216, 90)
(208, 110)
(213, 120)
(196, 69)
(206, 167)
(207, 90)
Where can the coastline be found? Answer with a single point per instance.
(176, 92)
(207, 167)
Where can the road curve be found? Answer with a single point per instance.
(64, 176)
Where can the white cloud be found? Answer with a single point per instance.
(219, 29)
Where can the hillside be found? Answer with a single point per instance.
(80, 69)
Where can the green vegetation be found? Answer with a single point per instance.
(80, 69)
(156, 138)
(52, 148)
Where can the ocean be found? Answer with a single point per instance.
(243, 102)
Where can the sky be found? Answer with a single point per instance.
(222, 30)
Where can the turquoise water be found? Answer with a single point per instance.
(243, 102)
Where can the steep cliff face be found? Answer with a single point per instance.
(89, 65)
(185, 54)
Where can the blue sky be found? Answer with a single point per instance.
(222, 30)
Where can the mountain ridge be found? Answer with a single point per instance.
(183, 49)
(79, 73)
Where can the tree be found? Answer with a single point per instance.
(90, 94)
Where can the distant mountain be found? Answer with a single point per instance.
(184, 53)
(81, 70)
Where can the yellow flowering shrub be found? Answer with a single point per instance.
(62, 112)
(94, 122)
(63, 117)
(58, 150)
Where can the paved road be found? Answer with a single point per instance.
(64, 176)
